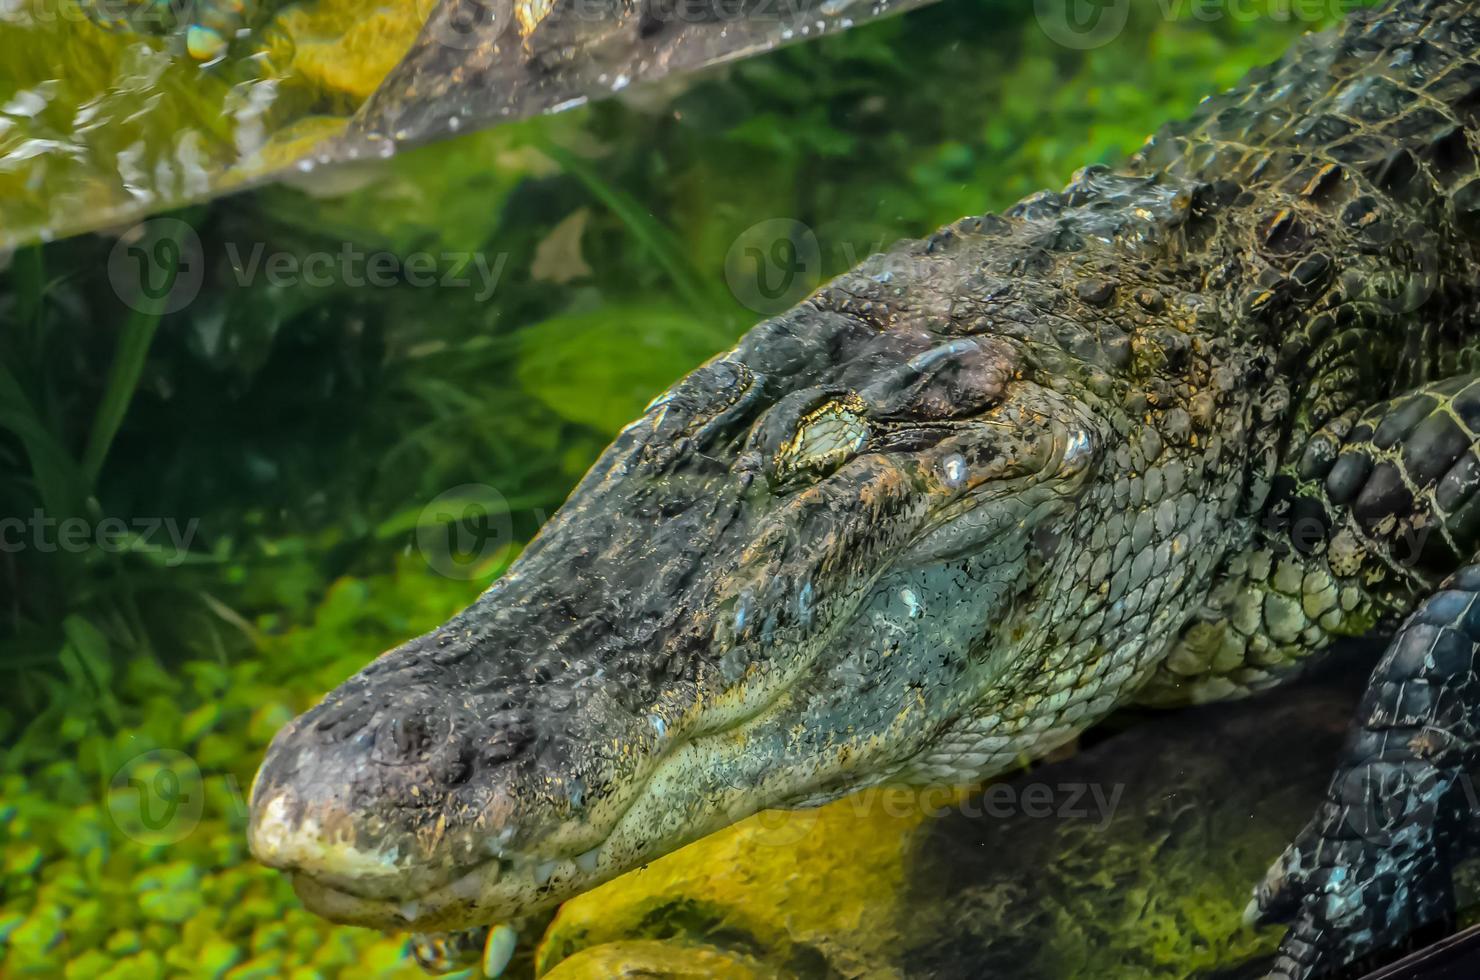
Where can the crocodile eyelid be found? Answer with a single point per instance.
(923, 362)
(779, 424)
(823, 439)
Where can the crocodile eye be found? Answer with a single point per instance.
(825, 438)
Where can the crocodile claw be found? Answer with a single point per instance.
(1278, 896)
(1350, 901)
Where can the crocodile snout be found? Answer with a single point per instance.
(371, 793)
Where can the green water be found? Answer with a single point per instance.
(386, 380)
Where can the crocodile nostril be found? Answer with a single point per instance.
(459, 770)
(401, 741)
(510, 732)
(342, 717)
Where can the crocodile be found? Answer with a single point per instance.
(1161, 437)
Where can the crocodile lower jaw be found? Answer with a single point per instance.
(486, 892)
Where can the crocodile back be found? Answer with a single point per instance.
(1355, 157)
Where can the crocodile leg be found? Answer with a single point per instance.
(1370, 510)
(1373, 865)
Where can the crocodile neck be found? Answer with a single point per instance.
(1355, 227)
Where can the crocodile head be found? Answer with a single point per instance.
(803, 570)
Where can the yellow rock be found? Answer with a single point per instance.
(347, 46)
(790, 886)
(654, 960)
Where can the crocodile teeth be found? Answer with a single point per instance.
(587, 862)
(544, 871)
(498, 949)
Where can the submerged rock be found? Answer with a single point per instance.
(1132, 859)
(648, 959)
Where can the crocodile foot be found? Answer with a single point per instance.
(1372, 869)
(1351, 902)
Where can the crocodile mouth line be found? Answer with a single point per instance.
(469, 891)
(411, 912)
(548, 880)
